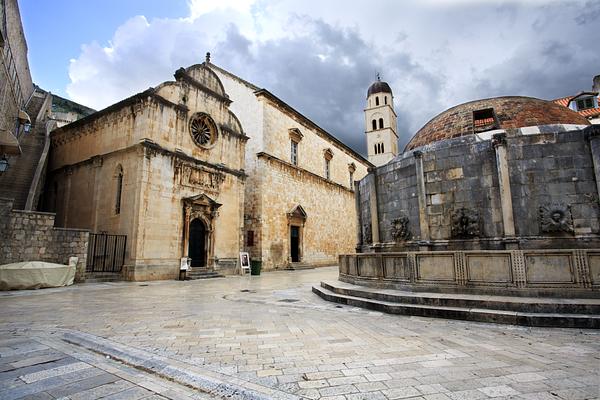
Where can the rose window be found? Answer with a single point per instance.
(203, 130)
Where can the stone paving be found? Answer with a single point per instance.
(272, 332)
(47, 369)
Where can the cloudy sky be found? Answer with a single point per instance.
(320, 56)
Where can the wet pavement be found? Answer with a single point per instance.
(272, 335)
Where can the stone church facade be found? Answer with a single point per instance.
(300, 187)
(164, 167)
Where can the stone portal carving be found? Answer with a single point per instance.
(465, 223)
(555, 218)
(400, 228)
(296, 220)
(205, 209)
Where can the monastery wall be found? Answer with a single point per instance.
(311, 148)
(328, 229)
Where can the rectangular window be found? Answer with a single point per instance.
(351, 180)
(294, 153)
(584, 104)
(327, 169)
(250, 238)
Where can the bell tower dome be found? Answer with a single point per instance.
(380, 120)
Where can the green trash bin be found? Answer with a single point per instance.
(255, 267)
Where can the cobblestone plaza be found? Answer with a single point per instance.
(271, 337)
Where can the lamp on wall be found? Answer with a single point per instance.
(3, 164)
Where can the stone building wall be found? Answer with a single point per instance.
(15, 77)
(554, 169)
(311, 148)
(327, 230)
(547, 173)
(406, 203)
(32, 236)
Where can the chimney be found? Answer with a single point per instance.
(596, 84)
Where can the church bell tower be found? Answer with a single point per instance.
(380, 119)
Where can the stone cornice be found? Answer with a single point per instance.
(229, 131)
(147, 144)
(295, 168)
(182, 75)
(184, 157)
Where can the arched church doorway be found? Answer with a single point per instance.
(197, 243)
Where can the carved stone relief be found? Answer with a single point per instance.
(465, 223)
(555, 218)
(400, 229)
(199, 178)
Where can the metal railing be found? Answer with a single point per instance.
(106, 253)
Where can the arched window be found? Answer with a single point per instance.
(374, 124)
(382, 148)
(375, 148)
(380, 123)
(119, 189)
(328, 156)
(376, 100)
(385, 100)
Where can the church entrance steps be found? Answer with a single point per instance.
(298, 267)
(201, 273)
(96, 277)
(527, 311)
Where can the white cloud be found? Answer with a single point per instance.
(202, 7)
(320, 56)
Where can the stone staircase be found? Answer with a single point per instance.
(526, 311)
(201, 273)
(298, 266)
(23, 167)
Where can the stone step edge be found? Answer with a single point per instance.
(156, 365)
(467, 314)
(347, 289)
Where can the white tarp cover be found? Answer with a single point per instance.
(35, 275)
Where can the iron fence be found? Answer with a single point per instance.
(106, 253)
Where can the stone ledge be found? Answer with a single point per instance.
(209, 382)
(532, 272)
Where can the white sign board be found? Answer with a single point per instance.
(244, 260)
(185, 264)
